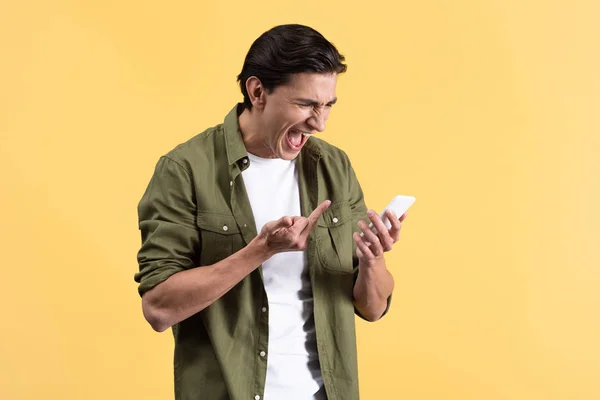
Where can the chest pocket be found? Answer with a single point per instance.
(335, 245)
(220, 234)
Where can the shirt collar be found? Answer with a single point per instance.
(234, 143)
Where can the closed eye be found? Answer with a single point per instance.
(304, 103)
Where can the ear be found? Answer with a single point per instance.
(256, 92)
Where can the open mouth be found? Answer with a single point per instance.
(296, 139)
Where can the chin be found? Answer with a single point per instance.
(291, 157)
(287, 155)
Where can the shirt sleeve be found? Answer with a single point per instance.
(359, 211)
(167, 221)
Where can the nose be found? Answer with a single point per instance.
(317, 122)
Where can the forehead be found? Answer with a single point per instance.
(315, 86)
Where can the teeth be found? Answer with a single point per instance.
(302, 133)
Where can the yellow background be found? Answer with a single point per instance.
(487, 111)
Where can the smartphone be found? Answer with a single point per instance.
(399, 204)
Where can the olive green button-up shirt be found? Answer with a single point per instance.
(195, 212)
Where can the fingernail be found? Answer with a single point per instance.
(370, 213)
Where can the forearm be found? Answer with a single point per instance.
(373, 287)
(189, 292)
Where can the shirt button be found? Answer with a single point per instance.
(245, 225)
(335, 220)
(257, 397)
(262, 354)
(230, 183)
(225, 228)
(264, 309)
(245, 161)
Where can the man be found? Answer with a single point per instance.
(249, 246)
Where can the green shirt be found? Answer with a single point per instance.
(195, 212)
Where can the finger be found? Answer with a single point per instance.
(299, 225)
(281, 223)
(382, 232)
(396, 225)
(403, 217)
(359, 253)
(369, 236)
(314, 216)
(362, 247)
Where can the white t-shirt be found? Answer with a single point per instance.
(293, 371)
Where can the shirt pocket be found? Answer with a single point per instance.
(220, 236)
(334, 238)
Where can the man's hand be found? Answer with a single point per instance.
(370, 246)
(374, 284)
(291, 233)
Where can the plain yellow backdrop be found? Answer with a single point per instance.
(487, 111)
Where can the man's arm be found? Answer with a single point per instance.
(374, 284)
(188, 292)
(372, 290)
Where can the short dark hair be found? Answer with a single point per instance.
(285, 50)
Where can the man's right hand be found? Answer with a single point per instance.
(291, 233)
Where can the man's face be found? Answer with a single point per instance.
(294, 111)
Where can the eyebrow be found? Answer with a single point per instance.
(312, 102)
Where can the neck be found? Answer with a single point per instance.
(252, 130)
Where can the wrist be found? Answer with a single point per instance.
(259, 248)
(372, 266)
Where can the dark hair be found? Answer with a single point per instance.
(285, 50)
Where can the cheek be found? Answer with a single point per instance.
(287, 118)
(292, 118)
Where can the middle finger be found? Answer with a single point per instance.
(369, 236)
(383, 233)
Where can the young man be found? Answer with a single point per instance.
(251, 248)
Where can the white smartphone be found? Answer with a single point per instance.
(399, 204)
